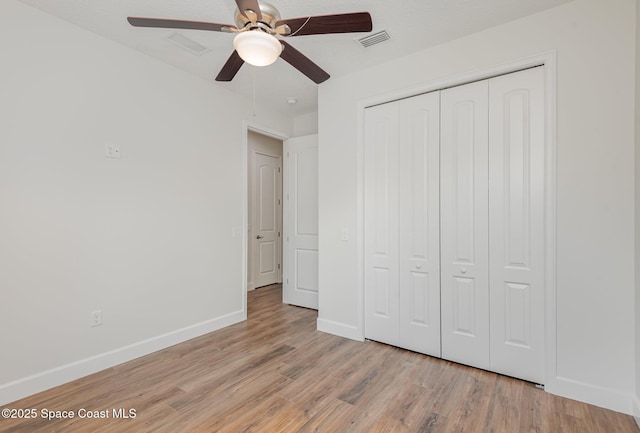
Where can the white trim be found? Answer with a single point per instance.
(607, 398)
(245, 218)
(548, 60)
(359, 234)
(550, 72)
(42, 381)
(339, 329)
(636, 409)
(278, 135)
(285, 220)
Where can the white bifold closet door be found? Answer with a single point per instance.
(454, 224)
(402, 258)
(516, 224)
(464, 224)
(492, 224)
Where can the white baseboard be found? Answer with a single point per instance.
(607, 398)
(39, 382)
(636, 409)
(339, 329)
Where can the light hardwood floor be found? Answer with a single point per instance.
(275, 373)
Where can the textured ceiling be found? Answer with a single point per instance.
(413, 25)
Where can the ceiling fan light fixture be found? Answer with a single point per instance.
(257, 48)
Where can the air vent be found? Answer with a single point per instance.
(188, 44)
(374, 38)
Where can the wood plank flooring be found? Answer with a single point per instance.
(276, 373)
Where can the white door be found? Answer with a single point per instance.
(464, 224)
(402, 262)
(267, 190)
(516, 223)
(381, 277)
(300, 274)
(419, 223)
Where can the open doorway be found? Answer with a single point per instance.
(281, 216)
(264, 183)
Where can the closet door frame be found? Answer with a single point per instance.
(548, 61)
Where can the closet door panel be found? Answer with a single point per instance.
(381, 224)
(419, 225)
(516, 205)
(464, 224)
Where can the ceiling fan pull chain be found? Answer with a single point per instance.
(300, 28)
(254, 91)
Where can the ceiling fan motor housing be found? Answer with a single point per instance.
(270, 16)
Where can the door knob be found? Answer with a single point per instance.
(258, 237)
(418, 266)
(463, 270)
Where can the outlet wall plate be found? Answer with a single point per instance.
(112, 150)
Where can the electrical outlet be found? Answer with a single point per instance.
(96, 318)
(112, 150)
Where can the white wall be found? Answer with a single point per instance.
(305, 124)
(595, 182)
(147, 238)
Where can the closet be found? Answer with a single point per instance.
(453, 224)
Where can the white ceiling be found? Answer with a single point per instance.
(413, 25)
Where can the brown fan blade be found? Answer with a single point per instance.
(325, 24)
(178, 24)
(231, 68)
(303, 64)
(251, 5)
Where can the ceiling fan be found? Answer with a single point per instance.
(257, 23)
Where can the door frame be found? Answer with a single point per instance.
(263, 130)
(548, 61)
